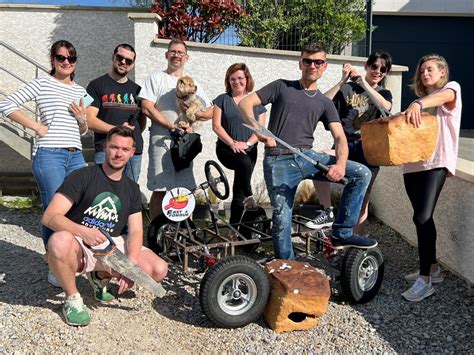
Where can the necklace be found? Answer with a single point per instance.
(305, 92)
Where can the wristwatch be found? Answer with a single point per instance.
(248, 144)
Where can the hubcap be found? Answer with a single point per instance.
(237, 294)
(368, 272)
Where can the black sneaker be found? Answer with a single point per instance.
(325, 218)
(355, 241)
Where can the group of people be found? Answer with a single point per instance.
(77, 200)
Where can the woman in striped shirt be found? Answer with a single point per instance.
(58, 149)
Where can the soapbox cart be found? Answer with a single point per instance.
(234, 289)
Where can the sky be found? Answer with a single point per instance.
(69, 2)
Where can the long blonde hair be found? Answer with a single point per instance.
(417, 84)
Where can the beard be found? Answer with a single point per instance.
(120, 74)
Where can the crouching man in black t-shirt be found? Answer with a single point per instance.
(95, 197)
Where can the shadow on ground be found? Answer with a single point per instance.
(27, 219)
(439, 323)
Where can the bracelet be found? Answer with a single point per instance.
(419, 103)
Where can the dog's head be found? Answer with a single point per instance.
(185, 87)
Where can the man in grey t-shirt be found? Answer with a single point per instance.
(297, 107)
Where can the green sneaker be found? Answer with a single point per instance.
(75, 312)
(100, 287)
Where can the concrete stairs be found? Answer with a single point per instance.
(16, 178)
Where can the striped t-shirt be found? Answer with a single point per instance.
(53, 99)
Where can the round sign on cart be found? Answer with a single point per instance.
(178, 204)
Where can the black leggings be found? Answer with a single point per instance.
(423, 189)
(243, 165)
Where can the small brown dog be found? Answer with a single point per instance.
(186, 94)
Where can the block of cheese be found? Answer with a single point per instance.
(392, 141)
(299, 295)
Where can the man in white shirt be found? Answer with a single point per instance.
(158, 98)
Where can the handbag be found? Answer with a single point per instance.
(184, 148)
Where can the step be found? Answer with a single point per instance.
(18, 184)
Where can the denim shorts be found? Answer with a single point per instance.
(356, 153)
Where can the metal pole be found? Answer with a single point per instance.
(368, 29)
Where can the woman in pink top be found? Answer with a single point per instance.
(424, 180)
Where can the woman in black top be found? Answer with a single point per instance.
(236, 147)
(355, 107)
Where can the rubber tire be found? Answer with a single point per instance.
(155, 242)
(217, 274)
(351, 263)
(250, 216)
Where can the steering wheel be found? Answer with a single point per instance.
(215, 181)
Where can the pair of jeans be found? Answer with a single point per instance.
(243, 165)
(282, 175)
(50, 167)
(132, 170)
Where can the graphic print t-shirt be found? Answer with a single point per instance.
(355, 107)
(100, 202)
(116, 103)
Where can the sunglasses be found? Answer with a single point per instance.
(374, 67)
(60, 58)
(317, 62)
(119, 59)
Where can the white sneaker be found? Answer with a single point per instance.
(418, 291)
(53, 280)
(436, 276)
(250, 204)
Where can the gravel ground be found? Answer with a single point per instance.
(31, 318)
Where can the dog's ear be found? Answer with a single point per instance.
(180, 85)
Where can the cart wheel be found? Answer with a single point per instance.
(234, 292)
(362, 274)
(158, 227)
(255, 219)
(216, 182)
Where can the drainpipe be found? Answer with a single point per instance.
(368, 29)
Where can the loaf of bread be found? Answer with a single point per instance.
(392, 141)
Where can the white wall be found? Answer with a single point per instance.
(32, 29)
(96, 31)
(208, 64)
(453, 217)
(424, 7)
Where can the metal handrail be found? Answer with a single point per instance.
(26, 131)
(14, 75)
(38, 67)
(35, 63)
